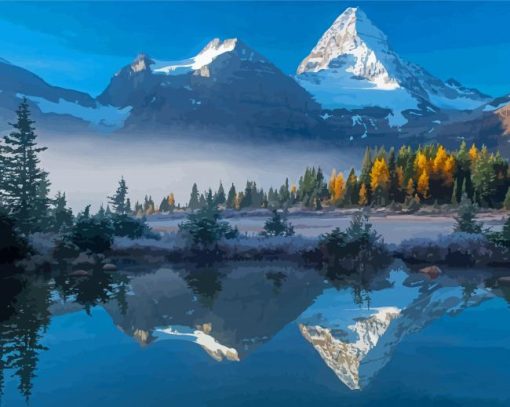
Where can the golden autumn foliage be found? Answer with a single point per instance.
(336, 187)
(363, 195)
(443, 167)
(440, 159)
(171, 199)
(331, 182)
(473, 153)
(421, 163)
(449, 170)
(423, 186)
(410, 188)
(379, 175)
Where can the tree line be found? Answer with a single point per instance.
(408, 176)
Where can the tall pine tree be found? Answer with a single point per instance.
(25, 184)
(119, 201)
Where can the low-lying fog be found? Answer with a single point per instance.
(88, 168)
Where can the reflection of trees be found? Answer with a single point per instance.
(98, 288)
(205, 282)
(21, 332)
(24, 316)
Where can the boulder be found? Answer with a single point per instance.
(109, 267)
(84, 260)
(80, 273)
(504, 280)
(431, 271)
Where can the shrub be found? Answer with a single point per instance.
(466, 217)
(501, 238)
(506, 202)
(127, 226)
(204, 228)
(278, 225)
(12, 245)
(348, 250)
(94, 233)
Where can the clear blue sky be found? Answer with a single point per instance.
(80, 45)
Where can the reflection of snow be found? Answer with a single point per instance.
(357, 343)
(206, 341)
(344, 358)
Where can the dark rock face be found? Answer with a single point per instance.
(238, 90)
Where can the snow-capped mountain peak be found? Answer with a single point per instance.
(353, 66)
(206, 56)
(353, 42)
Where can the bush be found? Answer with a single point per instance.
(359, 243)
(12, 245)
(278, 225)
(127, 226)
(94, 233)
(466, 217)
(456, 249)
(204, 228)
(501, 238)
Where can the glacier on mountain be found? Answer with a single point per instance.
(103, 117)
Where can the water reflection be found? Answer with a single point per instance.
(24, 323)
(356, 343)
(27, 304)
(352, 323)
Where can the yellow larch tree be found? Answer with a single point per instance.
(421, 163)
(339, 189)
(449, 171)
(331, 184)
(363, 196)
(473, 153)
(439, 162)
(171, 200)
(379, 175)
(423, 187)
(410, 188)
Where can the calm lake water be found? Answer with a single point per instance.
(254, 334)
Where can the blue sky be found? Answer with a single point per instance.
(81, 45)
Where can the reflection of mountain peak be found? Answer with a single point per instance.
(201, 337)
(344, 358)
(359, 358)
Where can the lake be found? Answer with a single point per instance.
(254, 334)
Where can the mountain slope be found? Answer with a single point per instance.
(353, 66)
(226, 86)
(53, 108)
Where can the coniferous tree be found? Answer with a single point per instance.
(25, 184)
(61, 215)
(163, 206)
(484, 178)
(231, 198)
(194, 198)
(392, 168)
(219, 197)
(466, 217)
(119, 201)
(506, 202)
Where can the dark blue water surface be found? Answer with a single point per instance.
(255, 334)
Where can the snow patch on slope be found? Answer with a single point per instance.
(103, 116)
